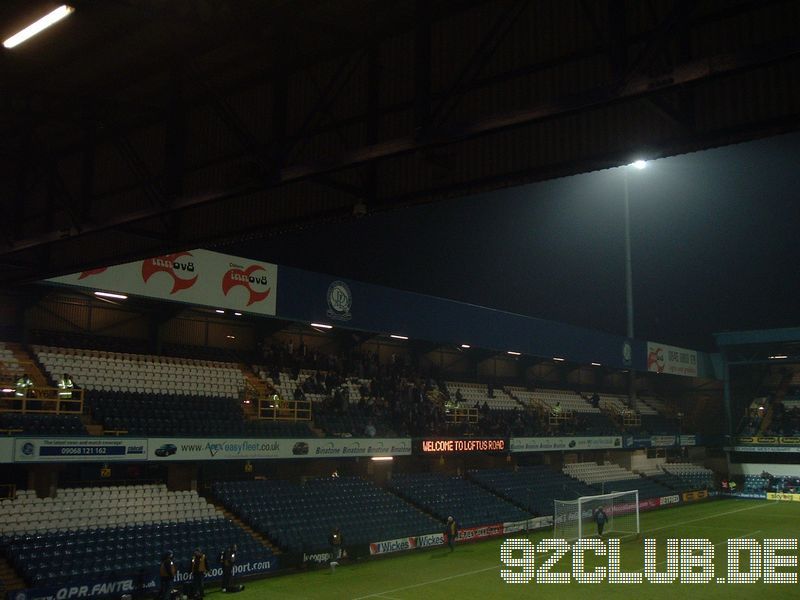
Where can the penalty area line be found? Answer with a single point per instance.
(424, 583)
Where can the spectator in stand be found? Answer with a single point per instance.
(24, 387)
(65, 387)
(369, 430)
(732, 485)
(298, 394)
(596, 400)
(459, 396)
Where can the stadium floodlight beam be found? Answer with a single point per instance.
(398, 337)
(111, 295)
(322, 325)
(46, 21)
(638, 164)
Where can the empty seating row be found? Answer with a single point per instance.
(299, 518)
(443, 496)
(57, 558)
(100, 507)
(533, 488)
(111, 371)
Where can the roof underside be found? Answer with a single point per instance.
(139, 127)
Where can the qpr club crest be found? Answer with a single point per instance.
(339, 301)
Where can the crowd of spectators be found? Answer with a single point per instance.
(396, 397)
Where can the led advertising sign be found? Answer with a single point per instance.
(451, 446)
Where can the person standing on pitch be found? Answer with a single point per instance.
(601, 518)
(451, 532)
(166, 573)
(199, 570)
(228, 560)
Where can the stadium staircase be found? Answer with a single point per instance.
(27, 364)
(259, 537)
(10, 578)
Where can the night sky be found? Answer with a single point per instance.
(716, 246)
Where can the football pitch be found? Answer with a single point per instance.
(474, 570)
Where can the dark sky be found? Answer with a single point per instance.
(716, 246)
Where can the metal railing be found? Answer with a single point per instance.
(42, 401)
(461, 415)
(273, 408)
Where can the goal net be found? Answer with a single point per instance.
(580, 518)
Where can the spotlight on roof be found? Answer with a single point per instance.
(778, 357)
(466, 346)
(231, 337)
(382, 458)
(559, 359)
(595, 364)
(639, 164)
(238, 314)
(399, 337)
(322, 326)
(219, 311)
(512, 353)
(46, 21)
(111, 295)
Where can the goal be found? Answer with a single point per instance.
(576, 519)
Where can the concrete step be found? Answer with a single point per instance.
(263, 540)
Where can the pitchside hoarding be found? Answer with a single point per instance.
(113, 449)
(105, 449)
(199, 277)
(163, 449)
(547, 444)
(116, 585)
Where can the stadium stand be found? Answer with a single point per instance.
(443, 496)
(162, 415)
(9, 365)
(694, 475)
(532, 488)
(299, 517)
(610, 477)
(478, 393)
(94, 532)
(100, 370)
(42, 424)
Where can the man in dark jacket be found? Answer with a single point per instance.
(601, 518)
(228, 560)
(336, 542)
(166, 573)
(199, 570)
(451, 532)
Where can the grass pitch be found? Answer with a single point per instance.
(473, 570)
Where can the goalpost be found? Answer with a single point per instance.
(576, 519)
